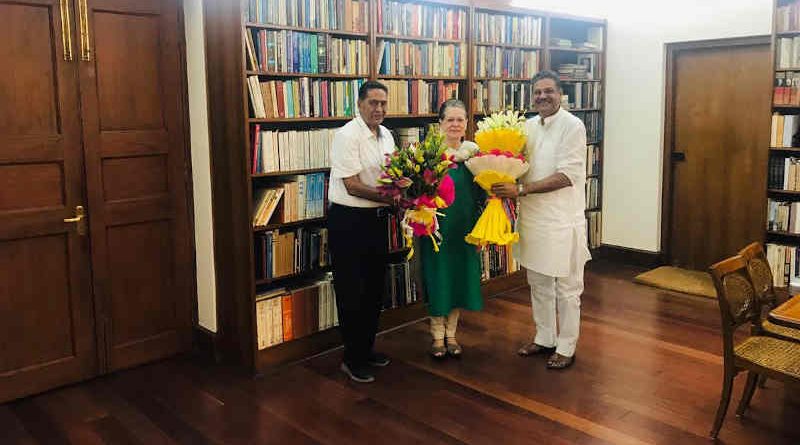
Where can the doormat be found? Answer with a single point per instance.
(692, 282)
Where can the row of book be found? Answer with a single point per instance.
(787, 53)
(290, 252)
(787, 17)
(497, 261)
(296, 198)
(593, 122)
(303, 97)
(592, 160)
(492, 61)
(783, 130)
(280, 151)
(421, 20)
(507, 29)
(594, 226)
(594, 40)
(342, 15)
(286, 314)
(583, 94)
(300, 52)
(401, 287)
(783, 216)
(784, 173)
(586, 67)
(787, 88)
(496, 95)
(784, 263)
(592, 193)
(418, 96)
(421, 59)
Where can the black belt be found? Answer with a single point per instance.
(379, 212)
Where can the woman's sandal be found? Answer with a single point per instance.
(438, 350)
(558, 361)
(453, 348)
(534, 349)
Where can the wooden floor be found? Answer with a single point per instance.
(648, 371)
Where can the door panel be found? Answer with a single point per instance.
(45, 298)
(135, 172)
(720, 125)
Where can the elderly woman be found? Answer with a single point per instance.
(452, 275)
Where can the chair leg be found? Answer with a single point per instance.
(762, 381)
(727, 386)
(747, 394)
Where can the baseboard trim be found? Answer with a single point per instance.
(629, 256)
(206, 345)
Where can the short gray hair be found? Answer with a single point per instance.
(547, 74)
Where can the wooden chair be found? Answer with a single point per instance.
(759, 355)
(761, 278)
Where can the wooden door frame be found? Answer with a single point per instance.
(673, 50)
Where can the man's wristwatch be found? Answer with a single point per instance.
(521, 189)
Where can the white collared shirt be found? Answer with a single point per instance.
(357, 151)
(552, 225)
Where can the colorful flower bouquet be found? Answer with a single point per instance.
(417, 174)
(501, 138)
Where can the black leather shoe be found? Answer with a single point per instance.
(379, 360)
(357, 373)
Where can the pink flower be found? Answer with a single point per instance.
(429, 176)
(403, 182)
(447, 190)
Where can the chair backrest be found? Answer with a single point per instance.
(759, 272)
(737, 299)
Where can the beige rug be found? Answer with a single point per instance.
(679, 280)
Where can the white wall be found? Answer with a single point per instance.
(637, 33)
(201, 166)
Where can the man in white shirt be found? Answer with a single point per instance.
(357, 229)
(551, 223)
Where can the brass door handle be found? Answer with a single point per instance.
(66, 30)
(86, 41)
(79, 220)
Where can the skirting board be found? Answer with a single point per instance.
(627, 255)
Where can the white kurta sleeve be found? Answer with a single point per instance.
(345, 159)
(571, 156)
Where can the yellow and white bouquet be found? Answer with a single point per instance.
(501, 138)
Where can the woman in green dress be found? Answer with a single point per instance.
(452, 276)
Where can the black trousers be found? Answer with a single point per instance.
(358, 243)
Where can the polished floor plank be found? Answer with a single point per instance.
(648, 371)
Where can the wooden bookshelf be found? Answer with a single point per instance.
(784, 110)
(232, 122)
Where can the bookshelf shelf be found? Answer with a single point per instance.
(583, 110)
(309, 30)
(413, 77)
(510, 45)
(299, 223)
(304, 274)
(776, 150)
(786, 107)
(576, 50)
(419, 39)
(594, 142)
(579, 80)
(290, 172)
(788, 33)
(783, 192)
(310, 75)
(504, 79)
(254, 120)
(411, 116)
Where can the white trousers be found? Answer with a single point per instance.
(557, 298)
(442, 327)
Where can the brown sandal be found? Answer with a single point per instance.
(453, 348)
(558, 361)
(534, 349)
(438, 350)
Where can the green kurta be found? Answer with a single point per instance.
(452, 276)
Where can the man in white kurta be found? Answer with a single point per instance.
(551, 224)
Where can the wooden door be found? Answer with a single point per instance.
(136, 175)
(46, 314)
(720, 95)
